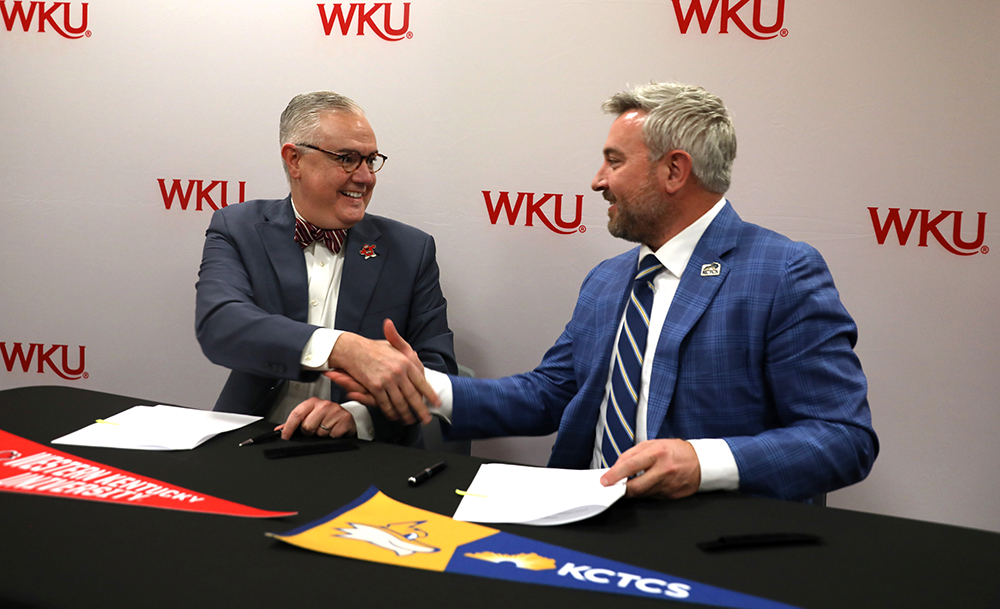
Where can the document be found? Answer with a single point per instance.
(539, 496)
(156, 428)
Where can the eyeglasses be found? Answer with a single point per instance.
(350, 161)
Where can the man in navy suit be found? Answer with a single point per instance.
(289, 288)
(748, 379)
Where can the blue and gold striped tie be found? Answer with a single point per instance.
(619, 417)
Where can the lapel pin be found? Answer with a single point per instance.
(368, 251)
(711, 270)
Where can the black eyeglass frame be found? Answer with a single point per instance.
(375, 161)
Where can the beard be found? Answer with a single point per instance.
(640, 217)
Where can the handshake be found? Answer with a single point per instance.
(384, 373)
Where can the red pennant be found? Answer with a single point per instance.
(35, 469)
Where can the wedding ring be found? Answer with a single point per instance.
(321, 426)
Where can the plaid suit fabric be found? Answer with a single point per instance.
(760, 355)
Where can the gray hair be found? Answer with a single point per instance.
(300, 120)
(688, 118)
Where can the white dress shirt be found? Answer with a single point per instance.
(718, 467)
(324, 270)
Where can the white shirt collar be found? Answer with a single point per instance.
(296, 211)
(675, 254)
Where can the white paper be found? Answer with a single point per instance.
(157, 428)
(536, 495)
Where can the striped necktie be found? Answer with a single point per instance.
(306, 233)
(619, 417)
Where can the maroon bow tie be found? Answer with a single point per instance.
(306, 233)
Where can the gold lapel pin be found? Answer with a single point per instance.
(711, 270)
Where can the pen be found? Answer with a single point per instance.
(312, 448)
(734, 542)
(264, 437)
(427, 473)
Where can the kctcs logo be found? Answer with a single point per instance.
(533, 209)
(13, 12)
(729, 14)
(930, 227)
(53, 357)
(203, 195)
(366, 16)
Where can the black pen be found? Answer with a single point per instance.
(735, 542)
(427, 473)
(264, 437)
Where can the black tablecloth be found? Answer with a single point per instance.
(57, 552)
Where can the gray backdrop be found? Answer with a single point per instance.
(840, 107)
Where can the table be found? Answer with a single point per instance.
(70, 553)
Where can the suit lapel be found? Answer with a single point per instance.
(694, 294)
(361, 273)
(611, 310)
(277, 232)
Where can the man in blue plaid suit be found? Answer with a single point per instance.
(749, 381)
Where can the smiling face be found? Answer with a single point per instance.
(638, 210)
(324, 193)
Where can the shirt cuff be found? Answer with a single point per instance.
(362, 419)
(316, 353)
(718, 466)
(441, 385)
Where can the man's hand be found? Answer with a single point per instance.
(319, 417)
(387, 374)
(670, 469)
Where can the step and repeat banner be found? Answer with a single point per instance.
(867, 129)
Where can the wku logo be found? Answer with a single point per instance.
(930, 227)
(13, 12)
(54, 357)
(203, 194)
(367, 17)
(533, 209)
(730, 15)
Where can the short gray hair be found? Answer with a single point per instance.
(688, 118)
(300, 120)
